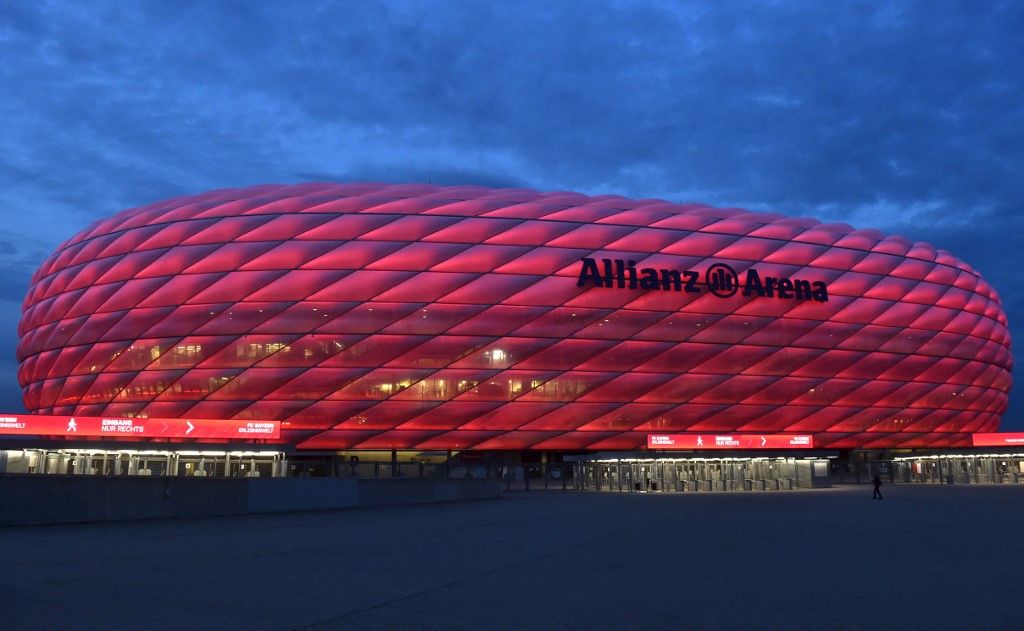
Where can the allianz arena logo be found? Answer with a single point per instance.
(720, 280)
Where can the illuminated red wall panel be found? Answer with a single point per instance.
(424, 317)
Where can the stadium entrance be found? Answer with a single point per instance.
(677, 475)
(964, 468)
(148, 462)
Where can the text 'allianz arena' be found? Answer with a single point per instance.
(374, 316)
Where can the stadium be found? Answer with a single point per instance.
(414, 318)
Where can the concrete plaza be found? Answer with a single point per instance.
(924, 557)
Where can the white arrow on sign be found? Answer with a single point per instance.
(763, 441)
(190, 427)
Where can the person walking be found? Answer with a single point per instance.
(877, 481)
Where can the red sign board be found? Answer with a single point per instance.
(729, 441)
(96, 426)
(1005, 439)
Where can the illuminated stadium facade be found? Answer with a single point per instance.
(417, 317)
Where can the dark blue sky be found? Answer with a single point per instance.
(907, 117)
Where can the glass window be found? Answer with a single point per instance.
(507, 385)
(98, 356)
(106, 386)
(504, 353)
(198, 383)
(375, 350)
(380, 384)
(310, 350)
(566, 386)
(245, 351)
(140, 353)
(148, 384)
(55, 363)
(73, 389)
(444, 384)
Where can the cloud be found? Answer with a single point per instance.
(907, 117)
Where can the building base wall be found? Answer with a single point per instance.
(32, 500)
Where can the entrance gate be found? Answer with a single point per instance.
(221, 464)
(960, 469)
(677, 475)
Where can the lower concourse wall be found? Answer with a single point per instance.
(32, 499)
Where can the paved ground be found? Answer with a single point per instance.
(925, 557)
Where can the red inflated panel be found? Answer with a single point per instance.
(376, 316)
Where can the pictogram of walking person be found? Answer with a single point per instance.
(877, 481)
